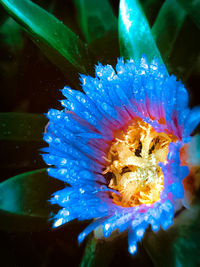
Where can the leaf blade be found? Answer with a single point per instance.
(96, 18)
(135, 36)
(167, 26)
(179, 245)
(24, 197)
(192, 7)
(44, 27)
(185, 51)
(10, 32)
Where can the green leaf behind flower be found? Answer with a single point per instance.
(47, 30)
(167, 27)
(179, 245)
(98, 253)
(96, 18)
(185, 51)
(3, 15)
(24, 200)
(22, 126)
(186, 246)
(135, 35)
(192, 7)
(11, 33)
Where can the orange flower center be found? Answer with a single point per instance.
(132, 164)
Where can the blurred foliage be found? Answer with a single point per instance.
(192, 8)
(186, 246)
(96, 18)
(50, 34)
(25, 197)
(179, 245)
(10, 33)
(167, 27)
(61, 39)
(100, 253)
(3, 15)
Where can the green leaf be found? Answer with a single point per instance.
(186, 246)
(185, 51)
(11, 33)
(159, 247)
(135, 36)
(3, 15)
(192, 7)
(167, 27)
(96, 18)
(47, 29)
(179, 245)
(25, 197)
(98, 252)
(22, 126)
(89, 253)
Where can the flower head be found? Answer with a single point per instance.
(117, 146)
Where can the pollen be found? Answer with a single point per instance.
(132, 164)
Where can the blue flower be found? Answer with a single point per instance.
(117, 147)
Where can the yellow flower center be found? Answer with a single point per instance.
(132, 164)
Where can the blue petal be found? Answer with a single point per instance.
(191, 122)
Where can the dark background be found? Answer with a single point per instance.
(30, 83)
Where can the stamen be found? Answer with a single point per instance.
(133, 164)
